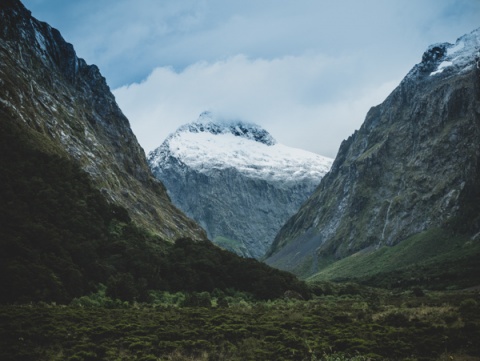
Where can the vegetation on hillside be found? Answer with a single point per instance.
(81, 281)
(61, 239)
(434, 259)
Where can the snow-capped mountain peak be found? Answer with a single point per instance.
(214, 124)
(212, 143)
(235, 180)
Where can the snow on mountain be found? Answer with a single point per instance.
(235, 180)
(452, 59)
(215, 144)
(412, 167)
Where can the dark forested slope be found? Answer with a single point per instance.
(60, 238)
(78, 204)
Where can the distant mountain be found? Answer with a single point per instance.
(413, 168)
(235, 180)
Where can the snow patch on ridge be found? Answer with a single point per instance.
(210, 123)
(462, 55)
(441, 67)
(205, 146)
(460, 44)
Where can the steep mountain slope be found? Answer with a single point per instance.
(413, 166)
(60, 238)
(44, 85)
(72, 179)
(235, 180)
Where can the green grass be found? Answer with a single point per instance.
(434, 253)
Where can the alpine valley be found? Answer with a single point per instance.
(235, 180)
(98, 263)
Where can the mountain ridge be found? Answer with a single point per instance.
(59, 95)
(80, 212)
(235, 179)
(407, 169)
(211, 123)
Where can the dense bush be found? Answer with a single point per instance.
(440, 326)
(60, 239)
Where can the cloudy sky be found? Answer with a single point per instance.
(306, 70)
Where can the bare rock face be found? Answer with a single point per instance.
(45, 85)
(413, 165)
(235, 180)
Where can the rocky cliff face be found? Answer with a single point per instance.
(413, 165)
(235, 180)
(45, 85)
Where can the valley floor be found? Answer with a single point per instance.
(353, 324)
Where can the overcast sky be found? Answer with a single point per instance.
(305, 70)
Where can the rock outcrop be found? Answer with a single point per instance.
(46, 86)
(413, 165)
(235, 180)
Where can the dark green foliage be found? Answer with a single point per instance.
(60, 239)
(198, 299)
(201, 266)
(437, 326)
(122, 286)
(52, 223)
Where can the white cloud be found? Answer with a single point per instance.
(311, 69)
(295, 98)
(128, 39)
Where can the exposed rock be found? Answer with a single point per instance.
(44, 84)
(235, 180)
(413, 165)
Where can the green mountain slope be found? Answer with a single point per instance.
(79, 206)
(60, 238)
(435, 259)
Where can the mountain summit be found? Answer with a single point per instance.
(209, 123)
(412, 167)
(235, 180)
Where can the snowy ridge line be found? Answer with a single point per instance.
(461, 55)
(207, 122)
(212, 145)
